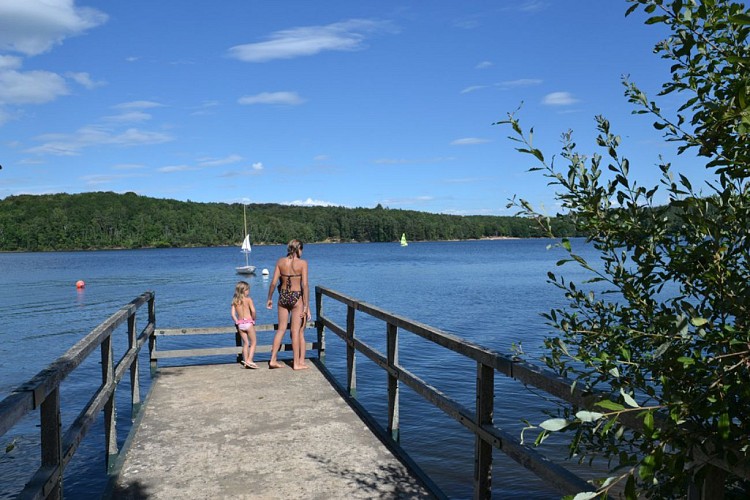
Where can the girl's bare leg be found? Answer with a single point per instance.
(283, 318)
(243, 334)
(253, 343)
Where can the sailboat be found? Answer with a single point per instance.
(403, 240)
(246, 249)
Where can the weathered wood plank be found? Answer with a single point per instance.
(214, 330)
(220, 351)
(13, 408)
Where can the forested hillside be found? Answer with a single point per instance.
(110, 220)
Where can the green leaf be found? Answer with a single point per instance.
(588, 416)
(610, 405)
(740, 19)
(554, 424)
(685, 361)
(723, 424)
(565, 244)
(648, 422)
(629, 399)
(698, 321)
(586, 495)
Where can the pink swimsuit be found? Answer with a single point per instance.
(245, 323)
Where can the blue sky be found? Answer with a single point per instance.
(316, 102)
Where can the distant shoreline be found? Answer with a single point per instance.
(260, 244)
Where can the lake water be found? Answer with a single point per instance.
(489, 292)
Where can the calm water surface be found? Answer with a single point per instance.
(489, 292)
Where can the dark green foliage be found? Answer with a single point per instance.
(109, 220)
(660, 329)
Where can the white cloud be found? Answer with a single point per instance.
(32, 27)
(559, 99)
(521, 82)
(4, 116)
(129, 117)
(532, 6)
(138, 105)
(72, 144)
(84, 79)
(257, 166)
(484, 65)
(473, 88)
(215, 162)
(289, 98)
(10, 62)
(310, 40)
(312, 203)
(175, 168)
(97, 179)
(469, 141)
(30, 87)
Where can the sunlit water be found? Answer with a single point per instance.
(489, 292)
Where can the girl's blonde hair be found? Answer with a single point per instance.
(239, 292)
(294, 248)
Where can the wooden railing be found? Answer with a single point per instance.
(479, 420)
(43, 392)
(155, 354)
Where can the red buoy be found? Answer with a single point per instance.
(80, 284)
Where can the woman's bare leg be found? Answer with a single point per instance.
(283, 319)
(297, 327)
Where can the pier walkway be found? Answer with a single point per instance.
(221, 431)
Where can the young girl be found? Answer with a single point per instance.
(243, 314)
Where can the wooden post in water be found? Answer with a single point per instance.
(351, 353)
(51, 422)
(110, 418)
(319, 326)
(393, 407)
(135, 388)
(482, 449)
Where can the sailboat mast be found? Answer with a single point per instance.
(244, 217)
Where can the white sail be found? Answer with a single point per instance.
(403, 240)
(246, 249)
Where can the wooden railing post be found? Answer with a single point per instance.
(135, 388)
(711, 487)
(319, 325)
(110, 418)
(51, 437)
(152, 338)
(351, 354)
(482, 449)
(393, 389)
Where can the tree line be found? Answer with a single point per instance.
(105, 220)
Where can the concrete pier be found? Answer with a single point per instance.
(222, 431)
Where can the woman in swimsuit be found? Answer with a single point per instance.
(294, 300)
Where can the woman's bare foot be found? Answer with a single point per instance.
(275, 365)
(300, 367)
